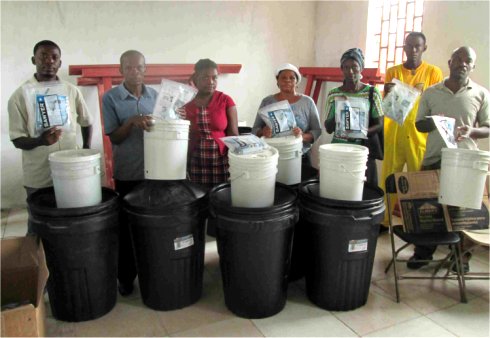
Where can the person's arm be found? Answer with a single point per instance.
(314, 127)
(87, 136)
(259, 127)
(376, 126)
(388, 86)
(49, 137)
(425, 126)
(422, 123)
(472, 132)
(376, 121)
(141, 121)
(232, 116)
(330, 120)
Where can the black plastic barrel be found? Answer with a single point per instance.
(340, 239)
(167, 220)
(81, 246)
(254, 246)
(244, 130)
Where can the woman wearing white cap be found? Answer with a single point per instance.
(304, 108)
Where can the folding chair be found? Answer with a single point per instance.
(452, 239)
(480, 238)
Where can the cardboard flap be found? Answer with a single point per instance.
(418, 193)
(24, 270)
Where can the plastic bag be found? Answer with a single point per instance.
(244, 144)
(48, 105)
(172, 95)
(399, 101)
(445, 127)
(279, 117)
(351, 117)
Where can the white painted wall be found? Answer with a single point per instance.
(258, 35)
(447, 25)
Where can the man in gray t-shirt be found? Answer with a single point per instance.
(126, 109)
(457, 97)
(465, 101)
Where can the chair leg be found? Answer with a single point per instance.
(393, 261)
(456, 249)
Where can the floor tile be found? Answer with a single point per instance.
(235, 327)
(209, 309)
(425, 296)
(309, 320)
(56, 328)
(125, 320)
(465, 320)
(378, 313)
(418, 327)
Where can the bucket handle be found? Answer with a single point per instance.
(481, 165)
(245, 173)
(350, 173)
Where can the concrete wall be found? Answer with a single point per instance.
(258, 35)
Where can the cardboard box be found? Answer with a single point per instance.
(418, 193)
(24, 276)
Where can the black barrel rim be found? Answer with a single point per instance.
(372, 196)
(227, 208)
(43, 203)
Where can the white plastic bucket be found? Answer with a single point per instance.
(253, 178)
(290, 152)
(166, 150)
(463, 175)
(76, 177)
(342, 171)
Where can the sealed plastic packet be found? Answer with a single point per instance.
(47, 105)
(445, 127)
(172, 95)
(351, 117)
(279, 117)
(399, 101)
(244, 144)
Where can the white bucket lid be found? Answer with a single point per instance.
(343, 149)
(266, 155)
(283, 141)
(74, 155)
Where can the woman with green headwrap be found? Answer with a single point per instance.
(364, 104)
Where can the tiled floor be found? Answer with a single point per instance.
(426, 308)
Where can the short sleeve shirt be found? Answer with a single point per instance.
(469, 106)
(305, 114)
(376, 110)
(118, 105)
(35, 163)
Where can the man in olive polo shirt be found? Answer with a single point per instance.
(465, 101)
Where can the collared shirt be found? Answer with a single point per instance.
(35, 163)
(118, 105)
(468, 106)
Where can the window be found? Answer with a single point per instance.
(389, 21)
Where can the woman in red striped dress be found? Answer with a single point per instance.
(212, 115)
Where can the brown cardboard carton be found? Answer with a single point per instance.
(418, 193)
(24, 276)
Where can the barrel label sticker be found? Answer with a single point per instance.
(357, 245)
(183, 242)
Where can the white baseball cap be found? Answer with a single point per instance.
(288, 66)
